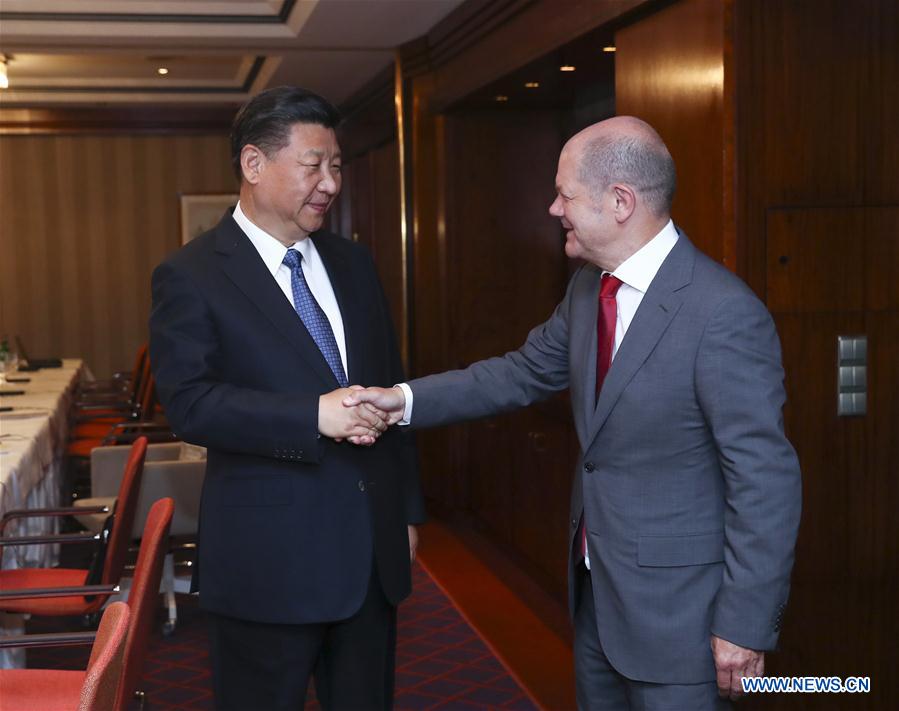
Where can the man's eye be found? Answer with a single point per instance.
(336, 168)
(312, 165)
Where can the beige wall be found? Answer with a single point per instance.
(83, 221)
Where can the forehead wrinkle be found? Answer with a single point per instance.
(318, 153)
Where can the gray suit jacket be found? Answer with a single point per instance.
(691, 490)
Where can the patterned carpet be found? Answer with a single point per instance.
(442, 663)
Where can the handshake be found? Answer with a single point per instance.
(359, 415)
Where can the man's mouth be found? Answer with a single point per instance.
(317, 206)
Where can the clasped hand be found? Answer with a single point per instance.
(359, 415)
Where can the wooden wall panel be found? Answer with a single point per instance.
(374, 219)
(387, 245)
(506, 271)
(814, 197)
(669, 71)
(847, 556)
(818, 97)
(816, 146)
(83, 221)
(504, 247)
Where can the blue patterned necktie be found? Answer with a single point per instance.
(313, 317)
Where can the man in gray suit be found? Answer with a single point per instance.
(686, 497)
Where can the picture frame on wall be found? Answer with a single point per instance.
(202, 211)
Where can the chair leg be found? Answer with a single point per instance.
(168, 588)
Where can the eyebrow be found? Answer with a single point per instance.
(315, 153)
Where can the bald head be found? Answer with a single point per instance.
(624, 149)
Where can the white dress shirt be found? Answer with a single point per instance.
(272, 253)
(636, 273)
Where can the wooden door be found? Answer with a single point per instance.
(831, 272)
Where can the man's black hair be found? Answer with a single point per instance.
(266, 120)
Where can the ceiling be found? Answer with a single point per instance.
(541, 84)
(90, 53)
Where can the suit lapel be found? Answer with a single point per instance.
(243, 265)
(656, 311)
(346, 291)
(583, 345)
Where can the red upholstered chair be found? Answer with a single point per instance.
(95, 689)
(141, 422)
(143, 600)
(144, 596)
(92, 411)
(120, 390)
(113, 562)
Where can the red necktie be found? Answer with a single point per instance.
(606, 320)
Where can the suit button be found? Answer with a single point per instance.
(361, 485)
(589, 467)
(574, 523)
(300, 454)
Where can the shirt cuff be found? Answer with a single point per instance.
(407, 412)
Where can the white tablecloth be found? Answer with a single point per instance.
(32, 444)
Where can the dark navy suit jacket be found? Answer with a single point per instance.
(290, 522)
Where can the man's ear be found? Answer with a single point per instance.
(625, 202)
(252, 161)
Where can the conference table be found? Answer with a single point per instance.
(32, 444)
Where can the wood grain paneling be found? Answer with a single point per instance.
(818, 97)
(505, 273)
(838, 279)
(83, 221)
(373, 179)
(669, 71)
(810, 128)
(808, 272)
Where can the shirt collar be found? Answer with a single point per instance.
(638, 270)
(270, 249)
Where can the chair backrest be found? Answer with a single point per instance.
(104, 670)
(148, 401)
(143, 598)
(126, 505)
(139, 372)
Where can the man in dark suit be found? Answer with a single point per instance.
(686, 498)
(257, 328)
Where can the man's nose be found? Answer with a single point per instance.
(555, 209)
(329, 184)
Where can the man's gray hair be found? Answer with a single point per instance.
(640, 162)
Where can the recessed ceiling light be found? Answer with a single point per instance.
(532, 84)
(609, 48)
(567, 68)
(4, 77)
(162, 71)
(502, 97)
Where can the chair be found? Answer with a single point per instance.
(95, 689)
(142, 601)
(143, 597)
(165, 475)
(140, 422)
(122, 387)
(107, 569)
(93, 410)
